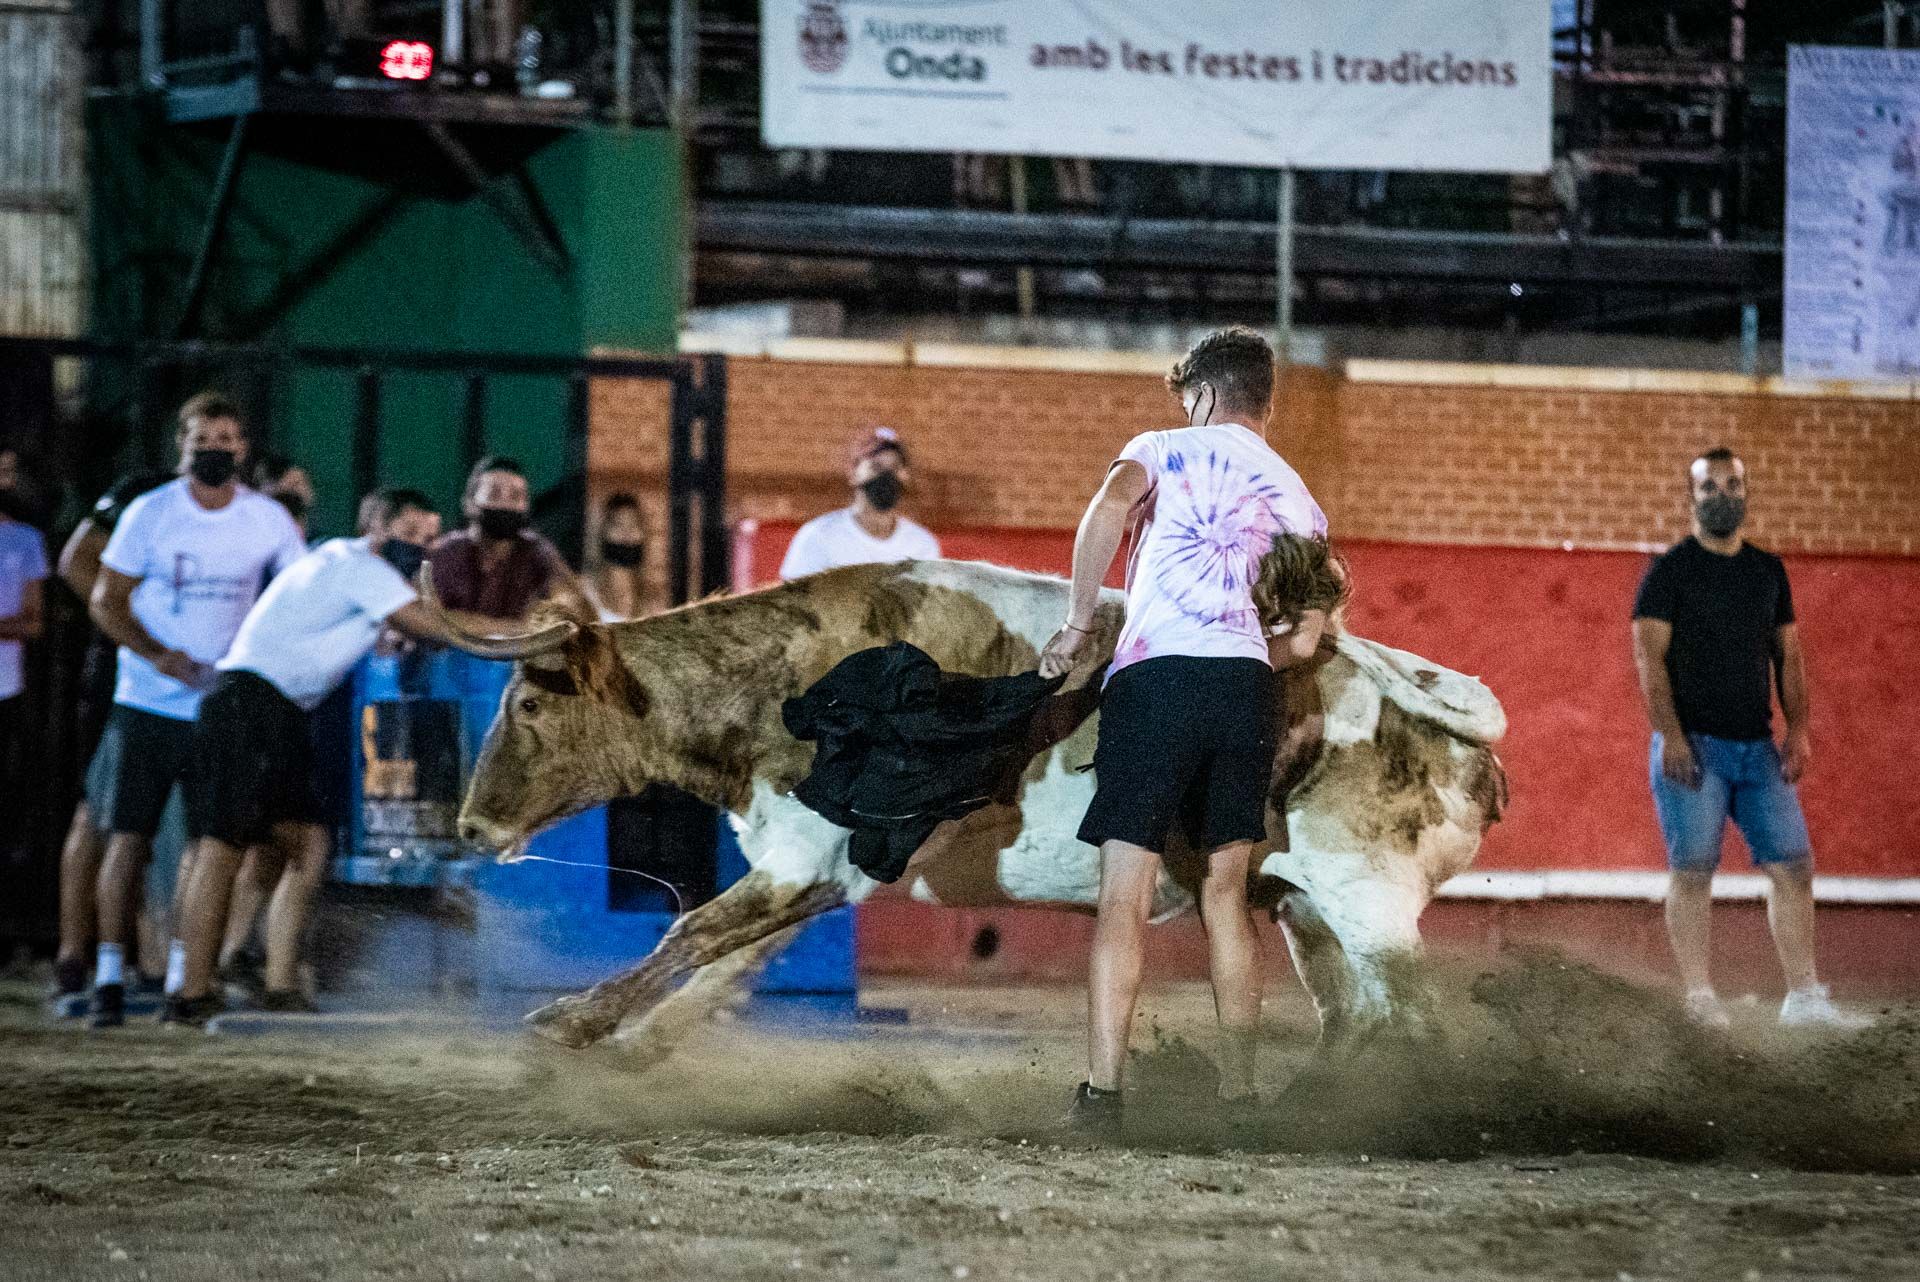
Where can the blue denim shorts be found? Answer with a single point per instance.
(1739, 780)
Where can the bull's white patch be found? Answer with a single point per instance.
(796, 847)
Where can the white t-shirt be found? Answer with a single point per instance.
(836, 539)
(199, 573)
(1218, 495)
(23, 560)
(317, 619)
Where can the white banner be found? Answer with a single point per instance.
(1324, 84)
(1852, 291)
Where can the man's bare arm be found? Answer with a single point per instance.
(24, 623)
(415, 620)
(112, 611)
(1094, 546)
(80, 558)
(1651, 638)
(1790, 674)
(1098, 539)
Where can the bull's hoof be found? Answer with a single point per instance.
(573, 1022)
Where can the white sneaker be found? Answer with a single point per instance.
(1813, 1008)
(1704, 1009)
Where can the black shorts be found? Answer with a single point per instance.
(1184, 740)
(140, 757)
(252, 763)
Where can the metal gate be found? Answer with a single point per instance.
(87, 409)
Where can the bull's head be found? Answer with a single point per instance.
(566, 735)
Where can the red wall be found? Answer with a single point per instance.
(1549, 632)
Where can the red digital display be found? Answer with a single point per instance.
(406, 60)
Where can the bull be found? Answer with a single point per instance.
(1387, 786)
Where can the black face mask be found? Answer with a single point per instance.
(403, 556)
(624, 555)
(14, 506)
(1720, 515)
(883, 491)
(501, 522)
(212, 468)
(295, 505)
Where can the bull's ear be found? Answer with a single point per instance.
(596, 668)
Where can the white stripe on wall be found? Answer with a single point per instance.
(1652, 886)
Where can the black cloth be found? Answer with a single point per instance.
(1726, 612)
(252, 763)
(112, 505)
(140, 757)
(1184, 740)
(904, 746)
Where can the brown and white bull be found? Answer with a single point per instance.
(1386, 802)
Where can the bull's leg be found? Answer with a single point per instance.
(1321, 964)
(1367, 979)
(745, 913)
(713, 988)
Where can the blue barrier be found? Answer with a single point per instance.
(538, 928)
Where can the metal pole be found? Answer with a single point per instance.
(1890, 23)
(453, 31)
(683, 51)
(151, 77)
(683, 63)
(1022, 276)
(1283, 278)
(623, 63)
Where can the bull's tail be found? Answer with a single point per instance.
(1460, 704)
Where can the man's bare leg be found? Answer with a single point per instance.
(1790, 917)
(305, 847)
(79, 872)
(204, 911)
(259, 871)
(1234, 954)
(1127, 877)
(1690, 928)
(116, 889)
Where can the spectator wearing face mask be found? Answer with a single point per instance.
(617, 578)
(497, 568)
(185, 564)
(871, 529)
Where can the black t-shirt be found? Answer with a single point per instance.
(1725, 612)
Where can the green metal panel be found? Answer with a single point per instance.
(362, 239)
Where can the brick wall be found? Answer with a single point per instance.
(1395, 451)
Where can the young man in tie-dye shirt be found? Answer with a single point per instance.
(1188, 719)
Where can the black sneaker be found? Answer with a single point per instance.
(69, 977)
(1095, 1113)
(191, 1012)
(243, 972)
(287, 1001)
(109, 1006)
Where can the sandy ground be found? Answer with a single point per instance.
(1569, 1128)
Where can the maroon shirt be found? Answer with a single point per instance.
(529, 572)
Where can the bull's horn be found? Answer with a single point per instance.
(525, 646)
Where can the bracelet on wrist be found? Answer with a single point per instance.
(1074, 627)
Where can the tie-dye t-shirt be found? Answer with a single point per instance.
(1217, 496)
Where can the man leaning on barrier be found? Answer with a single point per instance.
(252, 756)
